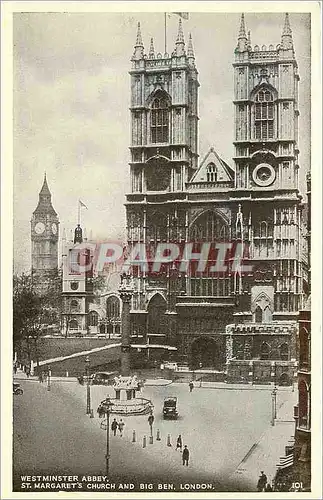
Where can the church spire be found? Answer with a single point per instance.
(242, 31)
(180, 43)
(287, 39)
(242, 37)
(45, 200)
(139, 46)
(151, 54)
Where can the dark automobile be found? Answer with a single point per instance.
(17, 389)
(103, 378)
(170, 407)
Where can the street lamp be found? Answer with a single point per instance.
(88, 393)
(48, 378)
(273, 405)
(105, 407)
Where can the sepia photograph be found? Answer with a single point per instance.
(159, 317)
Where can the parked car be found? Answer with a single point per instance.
(17, 389)
(169, 365)
(170, 408)
(102, 378)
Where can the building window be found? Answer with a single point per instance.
(113, 308)
(74, 325)
(264, 115)
(264, 351)
(159, 119)
(211, 173)
(303, 348)
(258, 315)
(74, 304)
(93, 318)
(283, 350)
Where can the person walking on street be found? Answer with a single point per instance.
(15, 368)
(41, 377)
(179, 443)
(191, 385)
(185, 455)
(262, 481)
(27, 371)
(121, 426)
(151, 419)
(114, 427)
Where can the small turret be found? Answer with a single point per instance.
(190, 51)
(242, 37)
(151, 54)
(180, 43)
(139, 46)
(287, 39)
(78, 234)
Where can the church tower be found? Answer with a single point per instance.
(77, 291)
(44, 236)
(266, 189)
(164, 142)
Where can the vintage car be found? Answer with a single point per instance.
(170, 408)
(17, 389)
(102, 378)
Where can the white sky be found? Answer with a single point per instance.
(71, 105)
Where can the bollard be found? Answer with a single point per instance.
(151, 440)
(66, 375)
(158, 435)
(134, 436)
(144, 441)
(168, 440)
(91, 414)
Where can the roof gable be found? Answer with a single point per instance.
(213, 162)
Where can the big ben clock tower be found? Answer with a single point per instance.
(44, 236)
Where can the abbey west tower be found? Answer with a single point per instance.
(164, 122)
(242, 325)
(266, 185)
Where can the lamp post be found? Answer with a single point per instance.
(88, 393)
(273, 405)
(106, 406)
(48, 378)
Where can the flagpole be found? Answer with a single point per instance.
(79, 214)
(165, 34)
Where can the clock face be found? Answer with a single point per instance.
(40, 227)
(54, 228)
(264, 174)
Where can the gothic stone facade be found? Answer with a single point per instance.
(243, 325)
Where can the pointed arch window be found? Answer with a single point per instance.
(93, 318)
(211, 173)
(264, 351)
(264, 115)
(159, 119)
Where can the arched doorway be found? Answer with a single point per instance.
(157, 321)
(205, 354)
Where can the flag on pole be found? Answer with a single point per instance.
(183, 15)
(82, 204)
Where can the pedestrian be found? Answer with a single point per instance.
(15, 368)
(151, 419)
(185, 455)
(114, 427)
(121, 426)
(268, 487)
(262, 481)
(191, 385)
(41, 377)
(27, 371)
(179, 443)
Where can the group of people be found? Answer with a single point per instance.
(117, 425)
(185, 452)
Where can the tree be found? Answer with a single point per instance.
(28, 314)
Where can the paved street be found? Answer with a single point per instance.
(52, 434)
